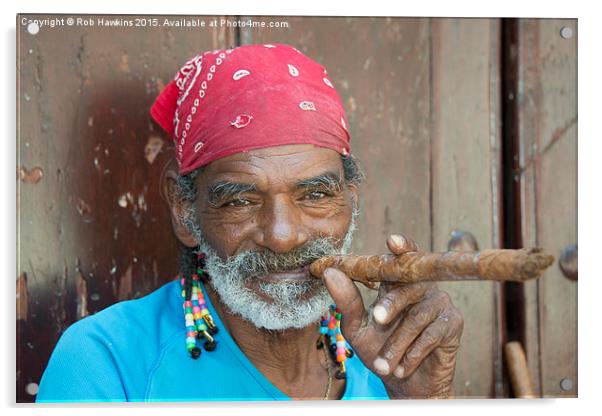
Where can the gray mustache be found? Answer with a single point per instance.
(262, 262)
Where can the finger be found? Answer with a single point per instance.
(393, 299)
(428, 340)
(348, 299)
(418, 318)
(398, 244)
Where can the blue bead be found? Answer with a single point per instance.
(323, 330)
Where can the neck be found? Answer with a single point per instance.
(290, 355)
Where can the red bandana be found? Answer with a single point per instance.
(254, 96)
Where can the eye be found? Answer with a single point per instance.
(315, 195)
(237, 203)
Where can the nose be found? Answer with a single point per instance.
(280, 226)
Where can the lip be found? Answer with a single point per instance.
(294, 275)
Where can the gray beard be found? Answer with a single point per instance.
(289, 304)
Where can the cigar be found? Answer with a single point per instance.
(498, 265)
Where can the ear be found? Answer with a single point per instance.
(169, 178)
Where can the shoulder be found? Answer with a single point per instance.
(109, 355)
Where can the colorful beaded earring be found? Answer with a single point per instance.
(338, 347)
(199, 322)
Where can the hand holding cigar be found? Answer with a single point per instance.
(413, 267)
(409, 336)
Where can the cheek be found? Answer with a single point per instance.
(225, 237)
(333, 221)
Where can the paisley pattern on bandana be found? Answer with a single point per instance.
(223, 102)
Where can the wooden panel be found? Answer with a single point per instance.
(465, 182)
(382, 69)
(92, 227)
(547, 103)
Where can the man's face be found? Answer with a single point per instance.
(265, 215)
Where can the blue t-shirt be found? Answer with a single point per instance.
(135, 351)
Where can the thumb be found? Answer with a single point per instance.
(348, 299)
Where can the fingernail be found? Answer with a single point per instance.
(381, 366)
(398, 240)
(399, 371)
(330, 273)
(333, 274)
(380, 314)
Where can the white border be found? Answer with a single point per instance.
(589, 207)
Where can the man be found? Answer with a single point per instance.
(265, 184)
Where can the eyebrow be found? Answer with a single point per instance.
(329, 181)
(222, 191)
